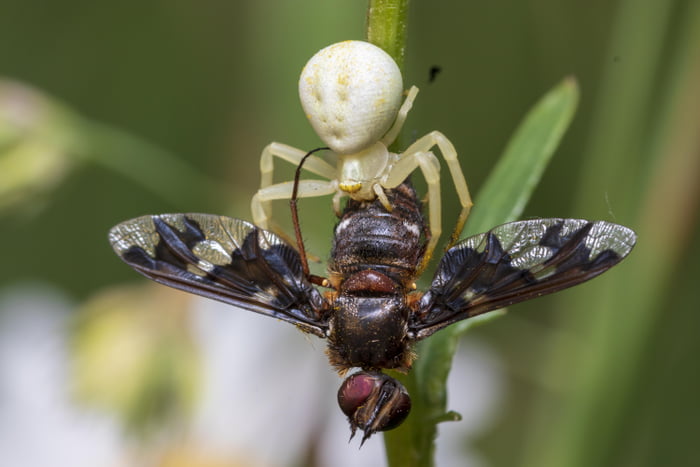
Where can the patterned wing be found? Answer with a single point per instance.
(516, 262)
(226, 259)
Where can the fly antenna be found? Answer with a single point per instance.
(295, 221)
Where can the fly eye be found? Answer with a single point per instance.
(373, 402)
(355, 391)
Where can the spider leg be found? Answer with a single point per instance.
(262, 204)
(393, 132)
(429, 141)
(307, 189)
(430, 167)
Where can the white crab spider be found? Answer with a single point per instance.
(351, 93)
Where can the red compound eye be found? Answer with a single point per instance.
(355, 391)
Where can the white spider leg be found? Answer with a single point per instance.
(430, 167)
(336, 202)
(427, 142)
(307, 189)
(313, 164)
(379, 192)
(393, 132)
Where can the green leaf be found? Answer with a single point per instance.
(502, 199)
(507, 190)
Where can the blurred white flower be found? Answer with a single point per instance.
(39, 423)
(137, 336)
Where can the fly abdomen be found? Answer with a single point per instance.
(370, 237)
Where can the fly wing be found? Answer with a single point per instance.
(515, 262)
(226, 259)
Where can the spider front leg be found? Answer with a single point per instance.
(425, 144)
(430, 167)
(265, 196)
(419, 155)
(261, 204)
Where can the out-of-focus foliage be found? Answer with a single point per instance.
(133, 356)
(37, 146)
(602, 375)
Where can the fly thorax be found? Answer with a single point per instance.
(369, 323)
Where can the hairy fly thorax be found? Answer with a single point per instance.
(373, 264)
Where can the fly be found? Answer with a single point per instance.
(372, 315)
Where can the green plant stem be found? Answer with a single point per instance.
(386, 27)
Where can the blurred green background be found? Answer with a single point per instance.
(155, 107)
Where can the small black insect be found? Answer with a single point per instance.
(434, 71)
(372, 316)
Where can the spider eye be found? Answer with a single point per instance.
(351, 92)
